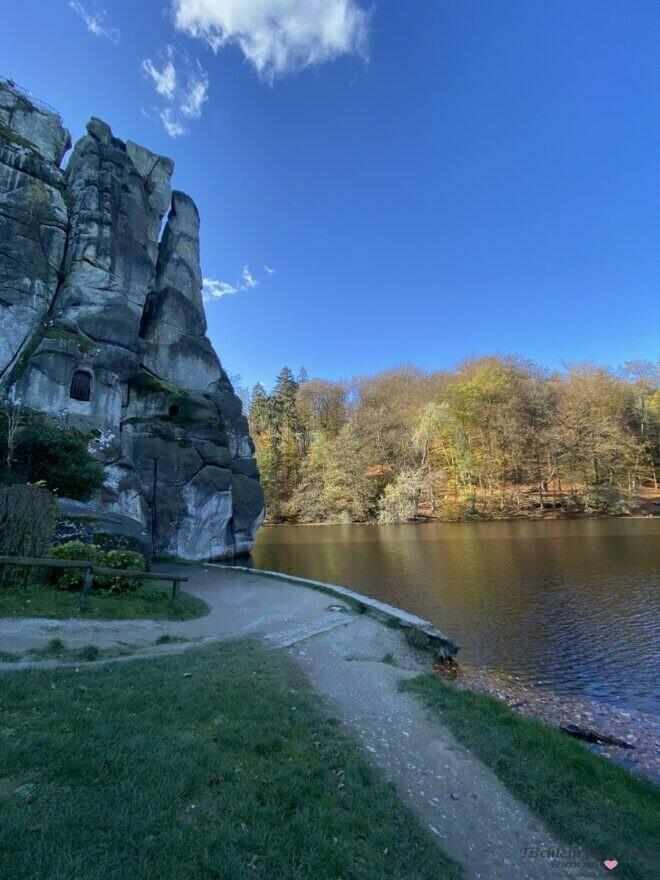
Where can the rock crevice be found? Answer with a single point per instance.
(87, 286)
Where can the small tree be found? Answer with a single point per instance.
(12, 410)
(400, 500)
(260, 412)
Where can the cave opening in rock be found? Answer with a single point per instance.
(81, 385)
(174, 410)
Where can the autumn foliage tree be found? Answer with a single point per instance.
(496, 437)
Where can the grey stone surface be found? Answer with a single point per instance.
(174, 326)
(33, 219)
(86, 284)
(109, 264)
(85, 522)
(43, 130)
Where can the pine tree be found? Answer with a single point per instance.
(284, 401)
(261, 417)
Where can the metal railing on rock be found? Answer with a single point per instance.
(27, 94)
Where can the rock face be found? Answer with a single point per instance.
(33, 218)
(102, 325)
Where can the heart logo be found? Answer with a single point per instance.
(610, 864)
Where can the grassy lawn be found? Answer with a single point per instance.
(214, 765)
(585, 799)
(149, 601)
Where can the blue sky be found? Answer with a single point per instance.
(427, 180)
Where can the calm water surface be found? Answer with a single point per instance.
(570, 605)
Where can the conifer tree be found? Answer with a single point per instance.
(260, 410)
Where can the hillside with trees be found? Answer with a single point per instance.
(497, 437)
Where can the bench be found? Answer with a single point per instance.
(90, 570)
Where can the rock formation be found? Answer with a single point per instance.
(102, 325)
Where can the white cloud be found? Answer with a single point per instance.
(269, 270)
(171, 123)
(277, 36)
(183, 86)
(193, 100)
(164, 80)
(248, 280)
(214, 289)
(95, 21)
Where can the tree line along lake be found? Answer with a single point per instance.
(569, 605)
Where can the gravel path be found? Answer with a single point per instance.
(476, 820)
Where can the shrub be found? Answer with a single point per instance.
(127, 559)
(111, 541)
(72, 579)
(89, 653)
(54, 455)
(27, 520)
(605, 499)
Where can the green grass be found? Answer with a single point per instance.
(216, 765)
(57, 650)
(587, 800)
(149, 601)
(168, 639)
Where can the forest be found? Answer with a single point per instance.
(496, 437)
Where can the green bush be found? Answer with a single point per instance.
(127, 559)
(27, 520)
(49, 453)
(72, 580)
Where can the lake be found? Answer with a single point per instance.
(572, 605)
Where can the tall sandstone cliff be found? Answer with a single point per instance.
(102, 326)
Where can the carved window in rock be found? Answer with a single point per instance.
(81, 385)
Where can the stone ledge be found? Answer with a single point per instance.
(443, 646)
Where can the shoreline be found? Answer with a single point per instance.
(549, 516)
(640, 730)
